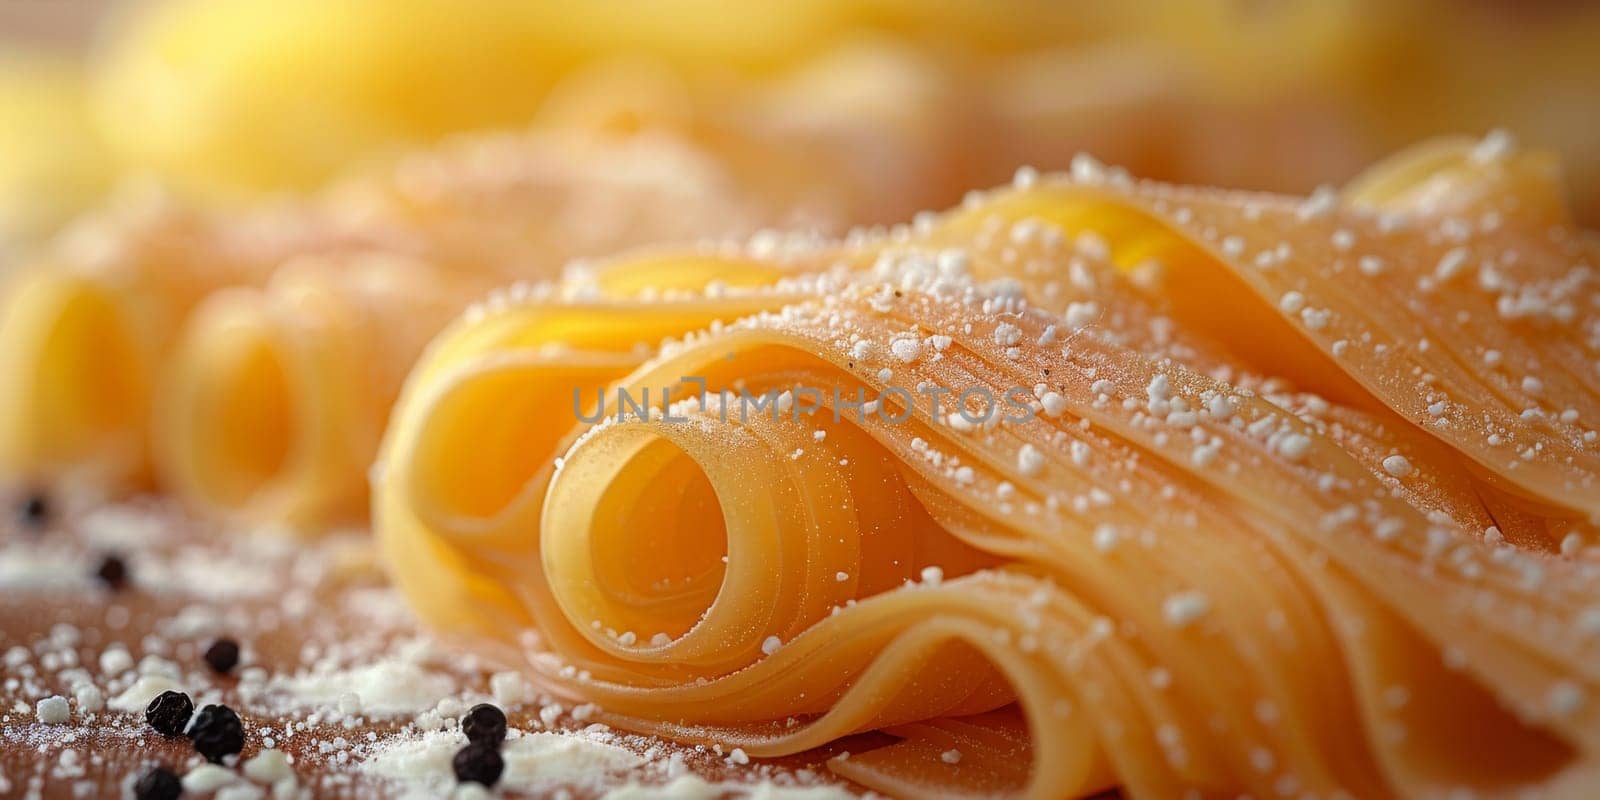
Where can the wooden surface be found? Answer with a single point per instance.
(289, 604)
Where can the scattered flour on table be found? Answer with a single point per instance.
(383, 606)
(693, 787)
(389, 687)
(135, 698)
(421, 763)
(44, 566)
(122, 527)
(205, 572)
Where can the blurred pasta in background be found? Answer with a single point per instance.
(915, 101)
(52, 159)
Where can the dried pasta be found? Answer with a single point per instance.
(84, 327)
(122, 338)
(1299, 496)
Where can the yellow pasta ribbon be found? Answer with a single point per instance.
(1271, 525)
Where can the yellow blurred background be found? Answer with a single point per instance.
(912, 101)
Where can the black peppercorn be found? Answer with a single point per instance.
(113, 572)
(478, 762)
(34, 511)
(223, 655)
(158, 784)
(169, 712)
(484, 724)
(217, 732)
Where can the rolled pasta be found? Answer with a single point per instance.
(84, 327)
(126, 317)
(1252, 521)
(277, 395)
(275, 400)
